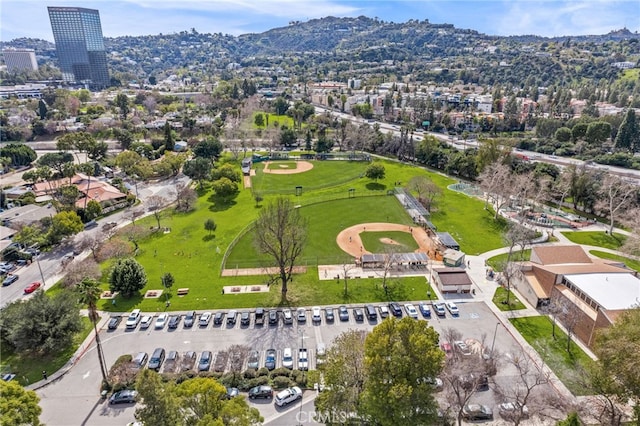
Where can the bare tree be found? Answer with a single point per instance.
(280, 232)
(155, 203)
(390, 260)
(346, 268)
(461, 380)
(516, 235)
(497, 182)
(571, 316)
(562, 185)
(78, 271)
(90, 242)
(114, 248)
(522, 388)
(632, 243)
(608, 396)
(425, 188)
(237, 355)
(134, 214)
(615, 196)
(186, 197)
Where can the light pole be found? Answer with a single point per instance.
(495, 331)
(302, 337)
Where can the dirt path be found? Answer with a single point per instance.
(349, 239)
(301, 167)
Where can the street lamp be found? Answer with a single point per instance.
(495, 331)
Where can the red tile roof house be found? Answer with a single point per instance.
(90, 189)
(595, 290)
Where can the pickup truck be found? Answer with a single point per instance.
(303, 359)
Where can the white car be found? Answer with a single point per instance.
(462, 347)
(287, 358)
(161, 320)
(133, 319)
(315, 316)
(288, 396)
(204, 319)
(321, 352)
(411, 310)
(452, 308)
(145, 322)
(303, 359)
(302, 315)
(512, 410)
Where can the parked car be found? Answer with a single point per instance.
(259, 321)
(371, 312)
(218, 318)
(171, 360)
(273, 317)
(424, 309)
(462, 348)
(253, 361)
(303, 359)
(190, 318)
(155, 362)
(411, 310)
(10, 279)
(161, 321)
(287, 316)
(205, 361)
(315, 314)
(123, 397)
(358, 314)
(188, 360)
(145, 322)
(113, 322)
(174, 321)
(134, 318)
(231, 317)
(439, 308)
(447, 349)
(261, 392)
(232, 393)
(477, 412)
(287, 396)
(287, 358)
(204, 319)
(328, 315)
(452, 308)
(140, 359)
(302, 315)
(32, 287)
(395, 309)
(474, 381)
(270, 359)
(509, 410)
(384, 311)
(245, 318)
(321, 352)
(343, 313)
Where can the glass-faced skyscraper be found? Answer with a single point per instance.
(79, 45)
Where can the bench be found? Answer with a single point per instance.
(183, 291)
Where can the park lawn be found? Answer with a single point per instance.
(324, 174)
(500, 300)
(28, 368)
(537, 331)
(498, 262)
(631, 263)
(405, 242)
(596, 238)
(270, 119)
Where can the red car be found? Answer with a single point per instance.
(447, 349)
(32, 287)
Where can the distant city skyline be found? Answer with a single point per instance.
(28, 18)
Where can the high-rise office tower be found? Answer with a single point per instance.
(79, 45)
(20, 59)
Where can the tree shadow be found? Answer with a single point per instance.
(221, 203)
(375, 186)
(209, 237)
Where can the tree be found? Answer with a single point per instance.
(167, 282)
(227, 171)
(628, 137)
(64, 224)
(210, 225)
(186, 197)
(42, 109)
(127, 277)
(89, 294)
(280, 232)
(571, 420)
(259, 120)
(401, 358)
(155, 203)
(288, 137)
(56, 160)
(209, 148)
(563, 134)
(41, 325)
(122, 102)
(77, 271)
(616, 195)
(198, 169)
(224, 187)
(426, 189)
(18, 406)
(344, 375)
(375, 172)
(497, 183)
(623, 337)
(169, 141)
(598, 132)
(161, 405)
(93, 210)
(124, 137)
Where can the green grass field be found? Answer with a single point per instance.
(498, 262)
(500, 300)
(631, 263)
(537, 331)
(596, 238)
(28, 369)
(372, 242)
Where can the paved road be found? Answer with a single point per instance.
(79, 388)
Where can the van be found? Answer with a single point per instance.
(371, 312)
(140, 360)
(155, 362)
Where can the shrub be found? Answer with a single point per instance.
(281, 372)
(282, 382)
(263, 372)
(258, 381)
(249, 374)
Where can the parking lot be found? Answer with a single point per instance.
(475, 322)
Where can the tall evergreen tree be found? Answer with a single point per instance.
(628, 137)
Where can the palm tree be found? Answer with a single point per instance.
(89, 292)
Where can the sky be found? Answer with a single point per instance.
(29, 18)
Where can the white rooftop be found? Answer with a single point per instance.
(611, 291)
